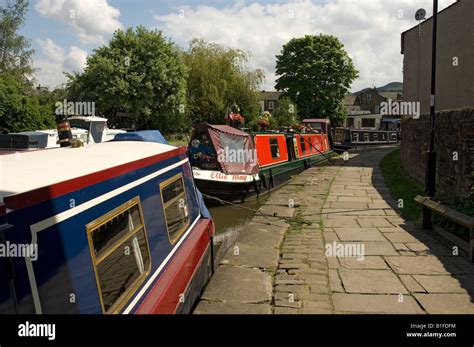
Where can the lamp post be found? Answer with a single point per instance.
(430, 179)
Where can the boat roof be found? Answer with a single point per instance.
(23, 172)
(323, 120)
(89, 118)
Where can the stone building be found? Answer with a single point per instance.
(455, 59)
(369, 99)
(269, 101)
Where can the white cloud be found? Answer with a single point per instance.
(90, 20)
(52, 62)
(75, 59)
(369, 29)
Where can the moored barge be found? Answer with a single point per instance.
(279, 155)
(117, 227)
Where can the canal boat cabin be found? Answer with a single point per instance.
(347, 138)
(224, 162)
(284, 154)
(115, 227)
(89, 129)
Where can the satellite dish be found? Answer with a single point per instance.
(420, 14)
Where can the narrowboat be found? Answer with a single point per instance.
(224, 162)
(115, 227)
(279, 155)
(89, 129)
(347, 138)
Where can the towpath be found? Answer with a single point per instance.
(357, 255)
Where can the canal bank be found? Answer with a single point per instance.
(280, 266)
(250, 271)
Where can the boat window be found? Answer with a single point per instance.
(366, 137)
(275, 150)
(376, 137)
(303, 145)
(175, 207)
(120, 254)
(355, 137)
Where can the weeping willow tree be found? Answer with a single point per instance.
(217, 78)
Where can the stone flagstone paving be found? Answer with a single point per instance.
(282, 268)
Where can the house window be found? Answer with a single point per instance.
(368, 123)
(120, 254)
(271, 105)
(175, 206)
(369, 97)
(303, 145)
(274, 149)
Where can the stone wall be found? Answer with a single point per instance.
(454, 132)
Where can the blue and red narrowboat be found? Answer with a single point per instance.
(116, 227)
(277, 156)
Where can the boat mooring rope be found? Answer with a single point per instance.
(263, 214)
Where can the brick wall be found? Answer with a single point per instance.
(454, 132)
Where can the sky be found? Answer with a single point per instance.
(64, 32)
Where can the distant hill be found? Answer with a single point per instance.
(392, 87)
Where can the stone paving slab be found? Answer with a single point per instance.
(446, 303)
(427, 265)
(374, 303)
(210, 307)
(371, 282)
(446, 284)
(241, 285)
(368, 263)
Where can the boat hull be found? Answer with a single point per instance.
(269, 178)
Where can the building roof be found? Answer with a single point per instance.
(349, 100)
(270, 95)
(26, 171)
(390, 95)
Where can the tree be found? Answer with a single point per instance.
(316, 72)
(19, 112)
(15, 52)
(217, 78)
(286, 113)
(138, 79)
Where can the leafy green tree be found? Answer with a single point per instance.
(316, 72)
(217, 79)
(286, 113)
(137, 80)
(19, 112)
(15, 52)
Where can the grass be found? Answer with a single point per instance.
(401, 185)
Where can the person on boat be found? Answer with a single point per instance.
(264, 121)
(202, 153)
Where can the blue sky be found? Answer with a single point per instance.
(369, 29)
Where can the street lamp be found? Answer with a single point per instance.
(430, 179)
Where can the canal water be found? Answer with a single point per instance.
(228, 218)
